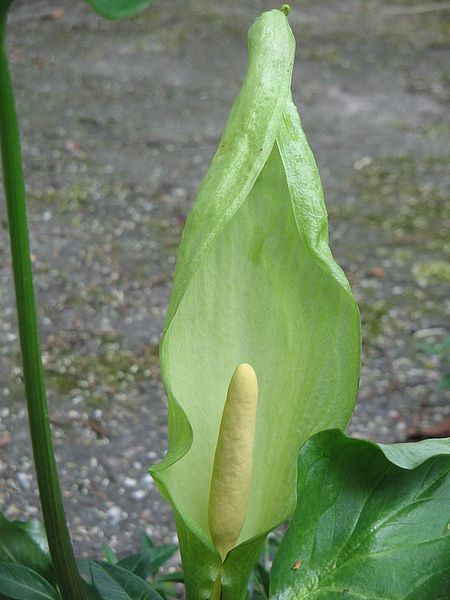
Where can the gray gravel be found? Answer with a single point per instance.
(119, 122)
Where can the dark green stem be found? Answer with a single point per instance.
(68, 578)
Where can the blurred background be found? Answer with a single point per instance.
(119, 122)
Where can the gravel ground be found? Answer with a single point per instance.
(119, 122)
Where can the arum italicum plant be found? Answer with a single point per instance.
(260, 357)
(256, 294)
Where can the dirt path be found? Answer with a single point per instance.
(119, 122)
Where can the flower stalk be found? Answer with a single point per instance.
(69, 581)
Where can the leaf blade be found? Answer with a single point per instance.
(18, 582)
(358, 516)
(115, 583)
(25, 543)
(119, 9)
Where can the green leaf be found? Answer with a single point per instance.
(410, 456)
(139, 564)
(444, 384)
(114, 583)
(92, 593)
(109, 554)
(160, 555)
(167, 587)
(119, 9)
(21, 583)
(148, 562)
(25, 543)
(146, 541)
(372, 522)
(175, 576)
(84, 568)
(255, 282)
(259, 584)
(262, 580)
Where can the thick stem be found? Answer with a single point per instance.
(70, 583)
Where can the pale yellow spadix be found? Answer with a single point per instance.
(233, 461)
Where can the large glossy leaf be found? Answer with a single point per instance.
(21, 583)
(408, 455)
(119, 9)
(114, 583)
(372, 522)
(255, 282)
(25, 543)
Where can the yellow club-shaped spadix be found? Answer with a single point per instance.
(233, 461)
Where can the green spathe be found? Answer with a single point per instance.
(256, 283)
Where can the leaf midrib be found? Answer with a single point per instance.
(331, 569)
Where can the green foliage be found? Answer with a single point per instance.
(21, 583)
(148, 561)
(146, 565)
(441, 350)
(372, 521)
(115, 583)
(255, 282)
(259, 583)
(109, 554)
(119, 9)
(25, 543)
